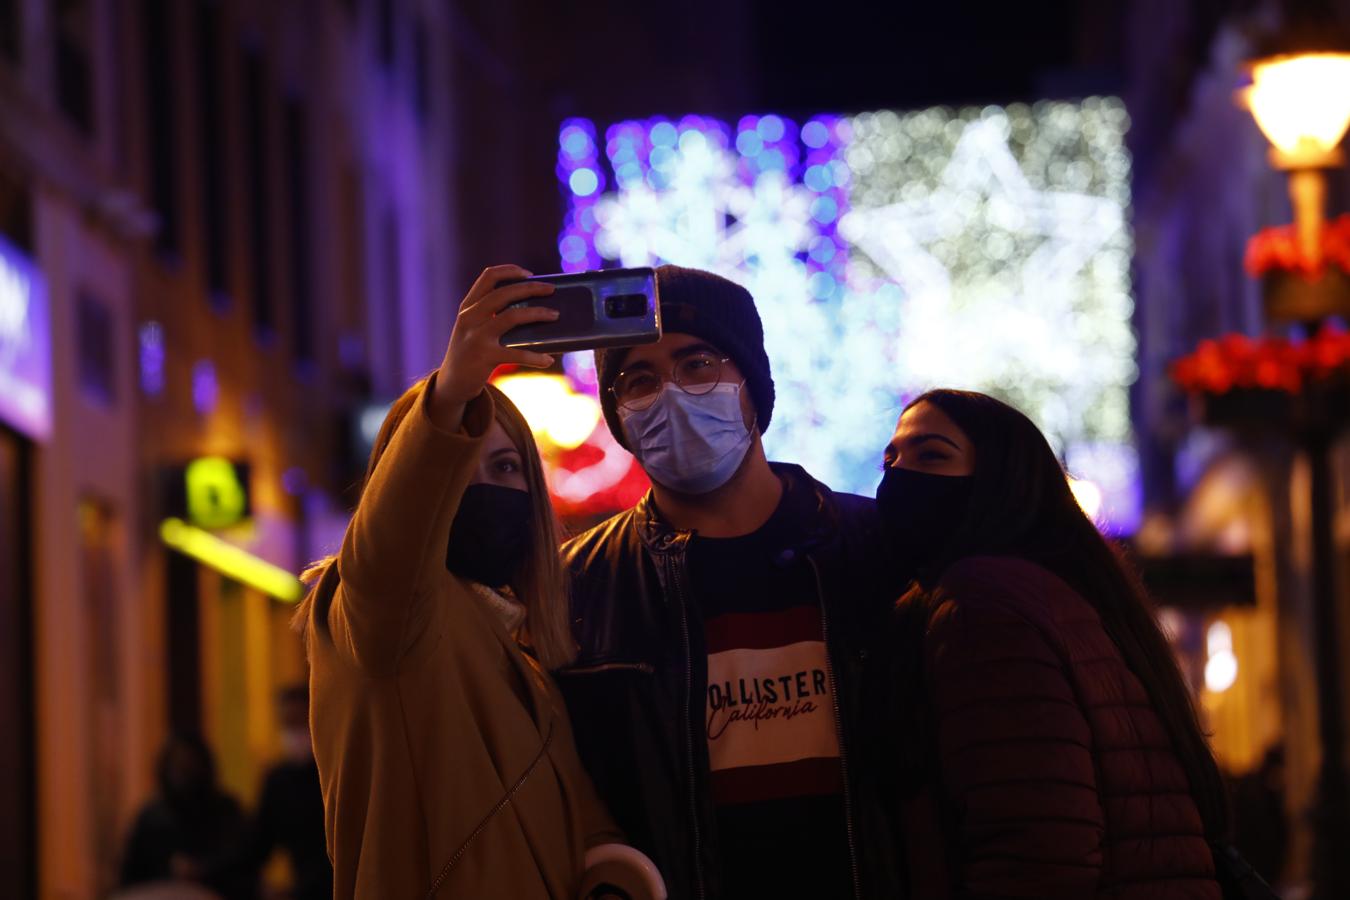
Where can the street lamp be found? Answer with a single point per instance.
(1300, 98)
(1301, 101)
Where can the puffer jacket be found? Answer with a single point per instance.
(1054, 775)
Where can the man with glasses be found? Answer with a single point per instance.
(723, 624)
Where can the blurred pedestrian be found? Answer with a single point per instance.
(1048, 742)
(290, 806)
(445, 754)
(1261, 820)
(722, 625)
(191, 831)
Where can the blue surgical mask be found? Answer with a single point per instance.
(690, 443)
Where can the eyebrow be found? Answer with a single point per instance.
(503, 451)
(682, 353)
(934, 436)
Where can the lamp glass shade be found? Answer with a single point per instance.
(1302, 102)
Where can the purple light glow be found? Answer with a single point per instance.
(294, 480)
(579, 170)
(205, 389)
(25, 345)
(151, 336)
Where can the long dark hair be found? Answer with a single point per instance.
(1022, 505)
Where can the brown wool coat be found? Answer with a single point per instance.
(424, 712)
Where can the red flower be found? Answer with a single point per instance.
(1235, 360)
(1276, 250)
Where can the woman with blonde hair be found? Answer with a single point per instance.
(445, 753)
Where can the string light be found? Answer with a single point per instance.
(892, 252)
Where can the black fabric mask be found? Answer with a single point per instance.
(490, 536)
(920, 512)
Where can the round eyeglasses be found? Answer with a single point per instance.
(698, 373)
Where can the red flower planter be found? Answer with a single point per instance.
(1295, 297)
(1270, 383)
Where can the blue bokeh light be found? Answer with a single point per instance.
(749, 143)
(772, 160)
(824, 209)
(815, 134)
(822, 250)
(583, 182)
(663, 134)
(572, 248)
(575, 142)
(818, 178)
(770, 128)
(822, 285)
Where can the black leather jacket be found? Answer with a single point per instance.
(637, 690)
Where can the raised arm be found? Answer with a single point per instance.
(1014, 751)
(396, 542)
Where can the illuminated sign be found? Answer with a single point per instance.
(234, 562)
(211, 493)
(25, 346)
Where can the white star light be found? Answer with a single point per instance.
(1002, 309)
(985, 249)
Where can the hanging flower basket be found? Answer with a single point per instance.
(1265, 383)
(1275, 250)
(1293, 288)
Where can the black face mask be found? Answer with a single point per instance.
(920, 513)
(490, 536)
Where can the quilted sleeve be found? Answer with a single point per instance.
(1015, 755)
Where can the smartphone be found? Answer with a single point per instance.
(605, 308)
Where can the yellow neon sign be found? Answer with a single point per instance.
(216, 498)
(236, 562)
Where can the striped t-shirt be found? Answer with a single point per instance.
(770, 718)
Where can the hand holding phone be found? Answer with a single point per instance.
(490, 309)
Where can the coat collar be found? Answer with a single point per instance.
(659, 536)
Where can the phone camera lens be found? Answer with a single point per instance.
(626, 306)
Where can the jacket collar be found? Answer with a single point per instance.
(659, 536)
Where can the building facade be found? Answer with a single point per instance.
(233, 220)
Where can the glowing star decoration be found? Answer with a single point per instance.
(889, 253)
(1005, 230)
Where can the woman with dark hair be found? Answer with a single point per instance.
(444, 750)
(1048, 741)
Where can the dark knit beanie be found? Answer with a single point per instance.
(710, 307)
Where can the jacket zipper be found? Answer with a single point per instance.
(839, 732)
(644, 668)
(689, 729)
